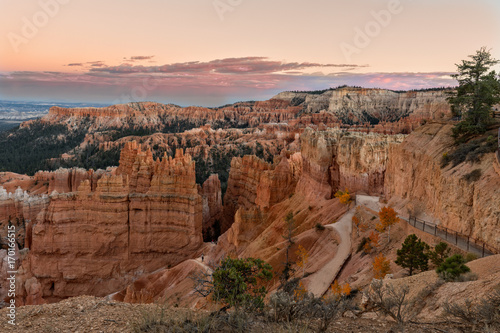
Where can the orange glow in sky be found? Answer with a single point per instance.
(216, 51)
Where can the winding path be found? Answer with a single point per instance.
(319, 282)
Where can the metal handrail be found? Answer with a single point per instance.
(470, 242)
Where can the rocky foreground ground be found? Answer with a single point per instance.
(90, 314)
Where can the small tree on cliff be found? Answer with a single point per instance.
(343, 196)
(339, 291)
(289, 233)
(303, 258)
(371, 242)
(388, 217)
(413, 254)
(478, 90)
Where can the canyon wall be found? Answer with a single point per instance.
(335, 159)
(416, 181)
(212, 207)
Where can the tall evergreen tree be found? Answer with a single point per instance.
(477, 92)
(413, 254)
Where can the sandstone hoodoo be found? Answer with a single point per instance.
(145, 215)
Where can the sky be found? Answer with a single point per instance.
(213, 52)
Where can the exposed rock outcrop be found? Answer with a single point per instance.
(415, 179)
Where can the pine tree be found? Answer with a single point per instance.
(440, 253)
(452, 267)
(413, 254)
(477, 92)
(239, 282)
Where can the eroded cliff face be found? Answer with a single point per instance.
(329, 160)
(359, 105)
(212, 207)
(146, 215)
(415, 180)
(335, 159)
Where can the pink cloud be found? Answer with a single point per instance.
(201, 83)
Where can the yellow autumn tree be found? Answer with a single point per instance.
(300, 292)
(303, 258)
(388, 217)
(343, 196)
(372, 242)
(358, 224)
(339, 291)
(381, 266)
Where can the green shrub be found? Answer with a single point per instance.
(319, 227)
(238, 282)
(470, 257)
(452, 268)
(471, 151)
(473, 176)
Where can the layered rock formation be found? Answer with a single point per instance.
(255, 183)
(157, 115)
(18, 209)
(145, 216)
(414, 179)
(335, 159)
(212, 207)
(359, 105)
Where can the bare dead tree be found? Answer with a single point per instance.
(484, 313)
(393, 302)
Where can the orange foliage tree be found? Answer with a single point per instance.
(388, 217)
(339, 291)
(358, 224)
(372, 242)
(303, 258)
(381, 266)
(343, 196)
(300, 292)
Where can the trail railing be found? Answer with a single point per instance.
(460, 240)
